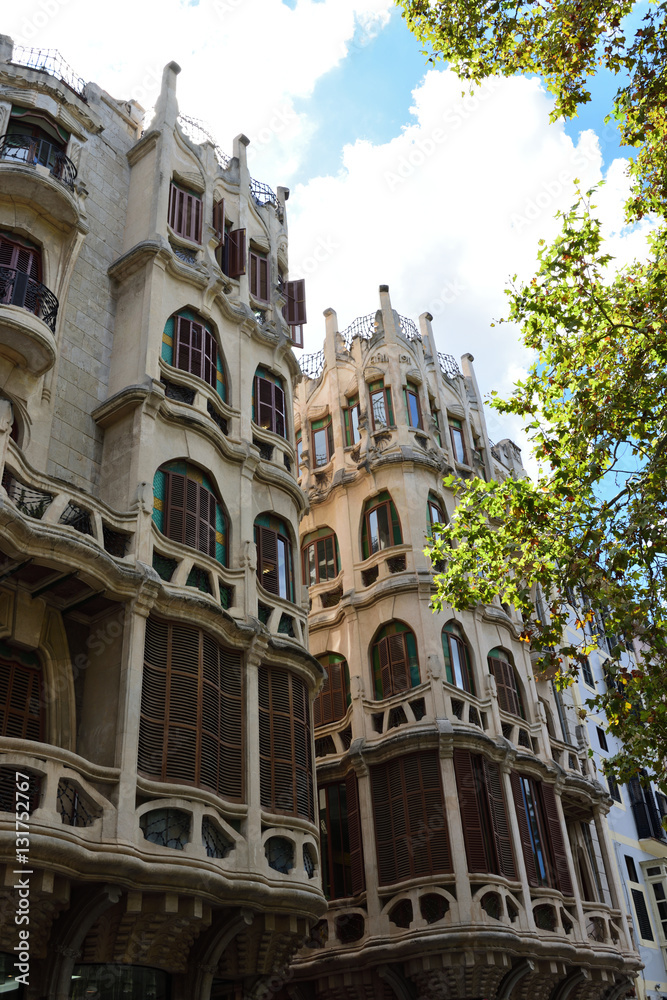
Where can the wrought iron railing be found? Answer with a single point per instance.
(49, 61)
(448, 365)
(262, 193)
(312, 365)
(409, 328)
(18, 289)
(30, 150)
(196, 130)
(362, 326)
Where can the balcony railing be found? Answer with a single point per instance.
(49, 61)
(31, 150)
(18, 289)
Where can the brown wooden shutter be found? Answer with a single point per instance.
(210, 359)
(562, 879)
(398, 663)
(294, 309)
(508, 698)
(219, 220)
(174, 515)
(267, 560)
(331, 703)
(385, 667)
(152, 730)
(236, 253)
(471, 817)
(501, 830)
(25, 259)
(524, 833)
(21, 701)
(354, 834)
(185, 213)
(286, 775)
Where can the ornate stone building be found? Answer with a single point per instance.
(464, 847)
(157, 834)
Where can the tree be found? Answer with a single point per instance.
(591, 530)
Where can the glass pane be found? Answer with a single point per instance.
(330, 569)
(374, 538)
(320, 446)
(457, 665)
(413, 410)
(310, 566)
(534, 830)
(282, 569)
(354, 413)
(379, 409)
(457, 439)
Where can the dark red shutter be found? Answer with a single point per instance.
(236, 253)
(562, 879)
(219, 220)
(294, 309)
(524, 833)
(501, 830)
(471, 817)
(259, 276)
(185, 213)
(354, 834)
(267, 559)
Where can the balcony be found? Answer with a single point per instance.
(34, 170)
(28, 314)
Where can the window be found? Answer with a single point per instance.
(644, 808)
(457, 658)
(655, 876)
(191, 720)
(381, 408)
(436, 422)
(218, 220)
(21, 703)
(185, 212)
(412, 405)
(614, 790)
(286, 769)
(435, 514)
(259, 275)
(269, 402)
(381, 528)
(541, 835)
(394, 659)
(294, 310)
(483, 815)
(34, 138)
(351, 421)
(509, 696)
(333, 700)
(407, 801)
(299, 451)
(25, 258)
(587, 673)
(319, 555)
(274, 556)
(458, 441)
(321, 432)
(188, 344)
(232, 253)
(602, 738)
(186, 509)
(340, 839)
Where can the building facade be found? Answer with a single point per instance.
(464, 847)
(157, 822)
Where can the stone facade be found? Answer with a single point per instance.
(478, 859)
(154, 678)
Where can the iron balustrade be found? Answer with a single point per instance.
(49, 61)
(32, 150)
(18, 289)
(448, 366)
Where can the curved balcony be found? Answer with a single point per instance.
(28, 314)
(35, 171)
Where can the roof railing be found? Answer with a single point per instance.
(49, 61)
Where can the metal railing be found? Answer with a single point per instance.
(448, 365)
(197, 130)
(362, 326)
(409, 328)
(30, 150)
(262, 193)
(312, 365)
(49, 61)
(18, 289)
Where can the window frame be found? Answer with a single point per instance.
(411, 391)
(185, 212)
(381, 391)
(351, 427)
(259, 275)
(484, 815)
(209, 351)
(194, 495)
(348, 821)
(456, 426)
(336, 689)
(384, 501)
(510, 699)
(313, 543)
(276, 413)
(450, 632)
(325, 424)
(285, 744)
(280, 534)
(541, 834)
(398, 669)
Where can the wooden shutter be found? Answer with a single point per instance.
(267, 559)
(189, 347)
(294, 309)
(279, 405)
(331, 703)
(152, 730)
(556, 842)
(21, 701)
(259, 276)
(210, 359)
(264, 403)
(471, 816)
(524, 832)
(185, 213)
(508, 697)
(174, 515)
(28, 260)
(354, 834)
(385, 667)
(236, 253)
(399, 666)
(190, 515)
(501, 831)
(286, 776)
(219, 220)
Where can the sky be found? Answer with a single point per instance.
(398, 175)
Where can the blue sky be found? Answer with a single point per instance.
(395, 177)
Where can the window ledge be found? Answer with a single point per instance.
(183, 241)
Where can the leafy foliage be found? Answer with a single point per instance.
(591, 532)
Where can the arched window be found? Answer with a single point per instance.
(509, 695)
(457, 658)
(435, 513)
(333, 700)
(319, 556)
(188, 343)
(22, 713)
(268, 402)
(186, 509)
(340, 838)
(274, 556)
(394, 659)
(285, 759)
(191, 722)
(381, 527)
